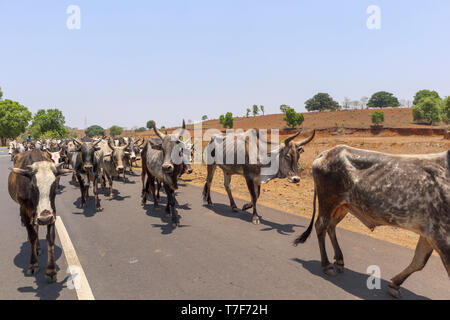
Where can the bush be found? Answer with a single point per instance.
(293, 118)
(377, 117)
(115, 131)
(141, 129)
(422, 94)
(226, 120)
(94, 130)
(428, 109)
(446, 110)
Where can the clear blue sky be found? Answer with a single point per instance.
(166, 60)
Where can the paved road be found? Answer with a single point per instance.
(130, 252)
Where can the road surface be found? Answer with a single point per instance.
(131, 252)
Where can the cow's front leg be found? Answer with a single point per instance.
(38, 246)
(81, 184)
(50, 274)
(97, 200)
(33, 268)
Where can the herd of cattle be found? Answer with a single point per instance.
(406, 191)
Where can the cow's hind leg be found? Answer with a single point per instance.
(421, 256)
(253, 188)
(226, 183)
(322, 223)
(207, 187)
(98, 206)
(50, 274)
(338, 215)
(144, 186)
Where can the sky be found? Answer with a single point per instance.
(132, 61)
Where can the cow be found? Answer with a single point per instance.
(135, 151)
(112, 162)
(162, 160)
(411, 192)
(287, 155)
(86, 165)
(32, 184)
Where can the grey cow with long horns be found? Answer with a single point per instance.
(234, 153)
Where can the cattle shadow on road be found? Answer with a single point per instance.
(43, 290)
(225, 211)
(160, 213)
(355, 283)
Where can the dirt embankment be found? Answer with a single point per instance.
(298, 198)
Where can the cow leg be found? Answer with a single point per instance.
(151, 184)
(110, 182)
(421, 256)
(97, 200)
(144, 186)
(337, 217)
(321, 225)
(33, 268)
(50, 274)
(158, 186)
(38, 246)
(249, 205)
(226, 183)
(253, 189)
(207, 187)
(170, 208)
(81, 184)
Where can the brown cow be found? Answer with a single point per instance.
(32, 184)
(411, 192)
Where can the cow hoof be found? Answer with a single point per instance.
(329, 271)
(255, 221)
(32, 270)
(38, 251)
(99, 209)
(339, 267)
(50, 278)
(234, 209)
(394, 291)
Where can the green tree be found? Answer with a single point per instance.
(115, 131)
(73, 134)
(248, 112)
(425, 94)
(205, 117)
(1, 93)
(428, 109)
(377, 117)
(293, 118)
(255, 110)
(383, 99)
(321, 102)
(141, 129)
(262, 109)
(14, 119)
(283, 108)
(150, 124)
(94, 130)
(51, 122)
(446, 110)
(227, 120)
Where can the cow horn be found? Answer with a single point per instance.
(76, 141)
(97, 142)
(306, 141)
(159, 134)
(289, 139)
(110, 144)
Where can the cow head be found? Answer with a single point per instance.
(173, 155)
(117, 155)
(135, 149)
(42, 175)
(87, 153)
(289, 155)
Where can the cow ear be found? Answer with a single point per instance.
(62, 171)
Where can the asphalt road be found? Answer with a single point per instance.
(131, 252)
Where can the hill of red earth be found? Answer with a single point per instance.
(393, 118)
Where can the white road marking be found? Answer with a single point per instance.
(83, 290)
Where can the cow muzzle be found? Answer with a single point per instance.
(167, 168)
(119, 169)
(294, 179)
(88, 167)
(45, 218)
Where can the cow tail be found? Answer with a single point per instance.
(306, 234)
